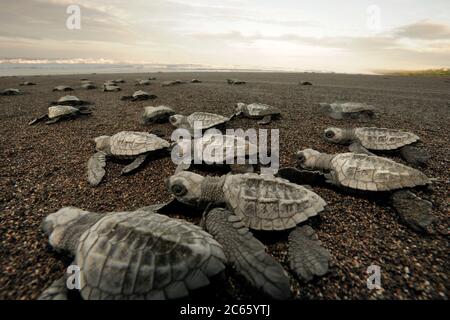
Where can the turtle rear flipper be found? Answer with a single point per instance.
(357, 147)
(56, 291)
(135, 164)
(96, 168)
(301, 177)
(38, 119)
(307, 257)
(414, 155)
(415, 212)
(54, 120)
(247, 254)
(266, 120)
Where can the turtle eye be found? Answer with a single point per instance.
(329, 134)
(178, 190)
(301, 157)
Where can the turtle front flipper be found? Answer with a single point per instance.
(96, 168)
(307, 257)
(56, 291)
(54, 120)
(183, 166)
(301, 177)
(266, 120)
(135, 164)
(357, 147)
(414, 155)
(247, 254)
(38, 119)
(414, 212)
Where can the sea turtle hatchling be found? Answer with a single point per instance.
(196, 81)
(158, 114)
(235, 81)
(348, 110)
(171, 83)
(132, 255)
(201, 121)
(139, 96)
(379, 139)
(11, 92)
(352, 171)
(69, 101)
(143, 82)
(261, 111)
(62, 88)
(56, 113)
(88, 86)
(110, 87)
(122, 145)
(27, 83)
(216, 149)
(259, 202)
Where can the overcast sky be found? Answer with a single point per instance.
(342, 36)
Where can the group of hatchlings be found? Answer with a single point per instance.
(144, 254)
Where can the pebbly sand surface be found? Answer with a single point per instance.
(43, 169)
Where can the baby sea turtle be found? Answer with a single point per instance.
(261, 111)
(62, 88)
(158, 114)
(202, 120)
(379, 139)
(172, 83)
(195, 81)
(122, 145)
(56, 113)
(348, 110)
(352, 171)
(88, 86)
(261, 203)
(305, 83)
(132, 255)
(235, 81)
(11, 92)
(144, 82)
(110, 87)
(69, 101)
(27, 83)
(139, 96)
(216, 149)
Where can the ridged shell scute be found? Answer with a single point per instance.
(384, 139)
(58, 111)
(129, 143)
(363, 172)
(268, 203)
(208, 120)
(142, 255)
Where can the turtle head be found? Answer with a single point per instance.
(102, 143)
(186, 187)
(240, 107)
(57, 224)
(335, 135)
(177, 120)
(307, 158)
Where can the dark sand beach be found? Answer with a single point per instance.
(43, 169)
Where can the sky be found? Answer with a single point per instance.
(354, 36)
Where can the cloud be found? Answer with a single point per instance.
(424, 30)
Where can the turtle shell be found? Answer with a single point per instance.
(157, 114)
(59, 111)
(206, 119)
(111, 87)
(11, 92)
(350, 107)
(69, 100)
(260, 110)
(145, 255)
(384, 139)
(130, 143)
(62, 88)
(363, 172)
(215, 148)
(267, 203)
